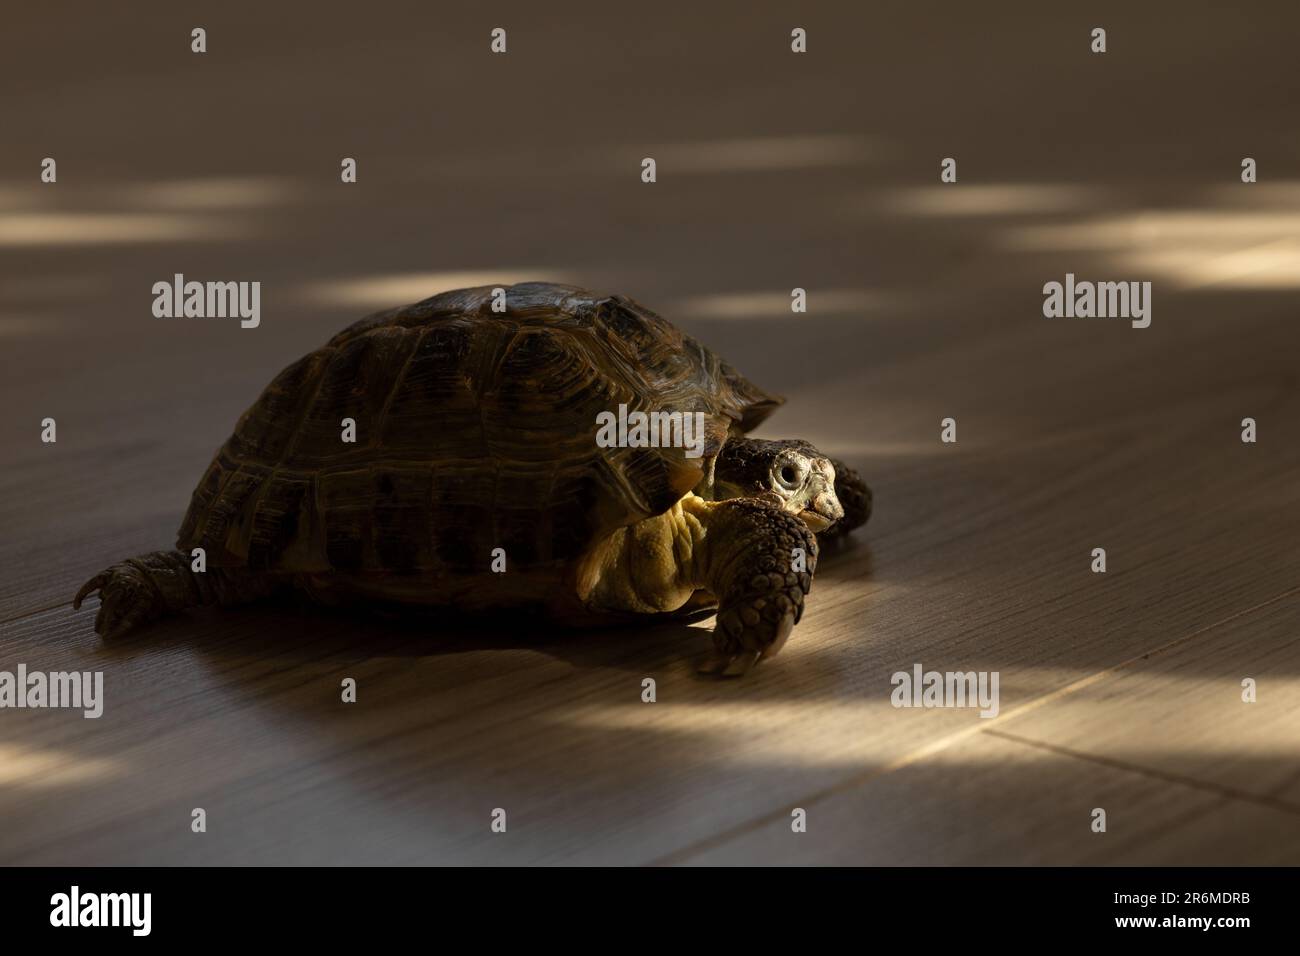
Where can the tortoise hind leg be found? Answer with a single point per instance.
(139, 590)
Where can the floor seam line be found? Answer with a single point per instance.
(854, 781)
(32, 613)
(1194, 782)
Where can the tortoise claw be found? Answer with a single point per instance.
(716, 664)
(126, 600)
(89, 588)
(783, 630)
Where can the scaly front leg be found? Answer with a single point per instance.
(759, 560)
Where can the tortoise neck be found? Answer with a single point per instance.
(740, 470)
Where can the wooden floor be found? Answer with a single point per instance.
(1120, 691)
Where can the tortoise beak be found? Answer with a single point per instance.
(816, 523)
(825, 511)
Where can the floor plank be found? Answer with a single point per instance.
(992, 801)
(1163, 740)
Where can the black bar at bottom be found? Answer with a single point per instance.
(330, 906)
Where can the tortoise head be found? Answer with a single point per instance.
(800, 477)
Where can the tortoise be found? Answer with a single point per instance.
(473, 480)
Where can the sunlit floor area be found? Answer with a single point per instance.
(1164, 691)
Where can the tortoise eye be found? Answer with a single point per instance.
(788, 475)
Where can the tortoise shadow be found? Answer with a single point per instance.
(292, 629)
(848, 558)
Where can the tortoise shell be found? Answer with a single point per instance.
(475, 430)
